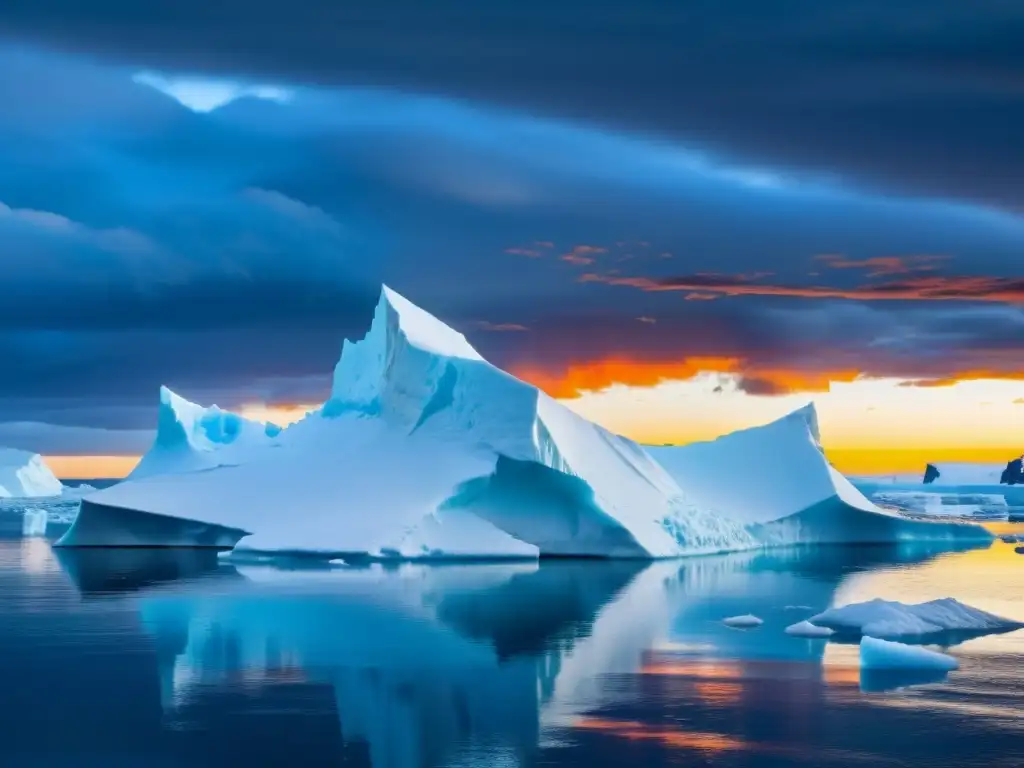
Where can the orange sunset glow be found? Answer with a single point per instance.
(872, 426)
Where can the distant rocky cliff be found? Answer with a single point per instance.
(1014, 472)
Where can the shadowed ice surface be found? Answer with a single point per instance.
(164, 658)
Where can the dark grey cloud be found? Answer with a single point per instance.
(877, 91)
(227, 254)
(59, 440)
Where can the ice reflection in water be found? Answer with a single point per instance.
(554, 663)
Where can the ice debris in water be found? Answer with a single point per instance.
(892, 619)
(34, 522)
(746, 621)
(885, 654)
(806, 629)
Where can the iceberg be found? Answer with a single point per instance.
(776, 479)
(190, 437)
(25, 475)
(891, 619)
(425, 450)
(884, 654)
(747, 621)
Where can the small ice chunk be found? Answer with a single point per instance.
(34, 522)
(746, 621)
(1012, 538)
(891, 619)
(806, 629)
(885, 654)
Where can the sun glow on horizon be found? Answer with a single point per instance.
(282, 415)
(872, 427)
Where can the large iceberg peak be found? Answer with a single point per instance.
(398, 325)
(420, 328)
(24, 474)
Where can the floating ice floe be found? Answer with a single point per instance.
(974, 506)
(888, 619)
(425, 450)
(34, 522)
(997, 490)
(806, 629)
(746, 621)
(25, 475)
(884, 654)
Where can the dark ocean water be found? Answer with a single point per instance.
(149, 658)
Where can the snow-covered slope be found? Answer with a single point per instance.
(425, 449)
(25, 475)
(776, 479)
(190, 437)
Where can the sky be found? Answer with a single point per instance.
(681, 219)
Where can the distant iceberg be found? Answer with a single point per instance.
(25, 475)
(890, 620)
(426, 450)
(966, 473)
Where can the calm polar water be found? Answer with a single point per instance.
(166, 659)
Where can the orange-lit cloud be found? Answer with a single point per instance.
(596, 375)
(912, 288)
(1019, 401)
(884, 265)
(582, 254)
(577, 378)
(966, 375)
